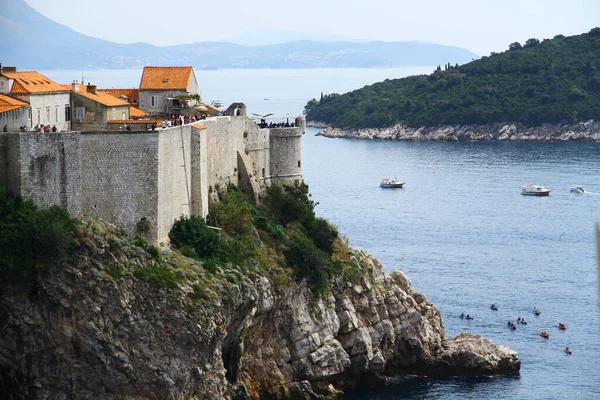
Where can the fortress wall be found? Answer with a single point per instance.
(286, 154)
(198, 178)
(10, 162)
(225, 137)
(174, 178)
(119, 179)
(257, 147)
(45, 168)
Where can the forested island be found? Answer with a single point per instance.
(553, 81)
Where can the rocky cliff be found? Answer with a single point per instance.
(584, 131)
(122, 320)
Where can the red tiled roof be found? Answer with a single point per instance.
(173, 78)
(32, 82)
(8, 103)
(100, 97)
(136, 112)
(128, 93)
(134, 121)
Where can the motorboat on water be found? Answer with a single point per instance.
(534, 190)
(391, 183)
(577, 189)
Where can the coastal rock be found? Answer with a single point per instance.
(87, 334)
(584, 131)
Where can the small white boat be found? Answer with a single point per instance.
(391, 183)
(577, 189)
(535, 190)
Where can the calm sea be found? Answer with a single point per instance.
(460, 229)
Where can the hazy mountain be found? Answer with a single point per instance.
(29, 40)
(267, 35)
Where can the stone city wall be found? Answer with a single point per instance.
(120, 179)
(144, 181)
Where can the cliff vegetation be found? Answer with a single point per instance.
(258, 301)
(550, 81)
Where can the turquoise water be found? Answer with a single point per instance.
(460, 229)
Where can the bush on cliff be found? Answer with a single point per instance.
(195, 233)
(32, 241)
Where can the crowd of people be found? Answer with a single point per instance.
(263, 124)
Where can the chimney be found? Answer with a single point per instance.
(75, 86)
(8, 69)
(91, 89)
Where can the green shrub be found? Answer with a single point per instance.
(308, 262)
(323, 234)
(160, 276)
(233, 213)
(290, 204)
(194, 232)
(32, 240)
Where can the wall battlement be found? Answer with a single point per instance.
(144, 181)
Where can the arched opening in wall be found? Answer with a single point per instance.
(263, 172)
(298, 163)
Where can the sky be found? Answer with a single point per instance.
(482, 26)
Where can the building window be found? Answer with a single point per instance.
(67, 113)
(298, 163)
(56, 114)
(79, 111)
(1, 83)
(134, 101)
(39, 116)
(263, 171)
(48, 114)
(154, 101)
(29, 117)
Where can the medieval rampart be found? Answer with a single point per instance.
(143, 181)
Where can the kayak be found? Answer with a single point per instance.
(468, 317)
(568, 351)
(537, 312)
(562, 327)
(544, 335)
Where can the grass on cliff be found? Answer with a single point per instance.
(282, 238)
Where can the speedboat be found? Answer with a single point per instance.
(391, 183)
(534, 190)
(577, 189)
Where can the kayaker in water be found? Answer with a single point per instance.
(494, 307)
(462, 315)
(567, 350)
(562, 326)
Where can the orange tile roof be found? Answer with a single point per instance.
(8, 103)
(134, 121)
(101, 97)
(171, 78)
(32, 82)
(129, 93)
(136, 112)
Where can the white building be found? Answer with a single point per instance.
(49, 102)
(13, 113)
(162, 89)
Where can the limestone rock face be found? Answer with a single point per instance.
(584, 131)
(84, 334)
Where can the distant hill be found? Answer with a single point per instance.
(554, 81)
(29, 40)
(267, 35)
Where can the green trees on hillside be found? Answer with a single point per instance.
(550, 81)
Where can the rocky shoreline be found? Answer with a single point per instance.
(93, 332)
(584, 131)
